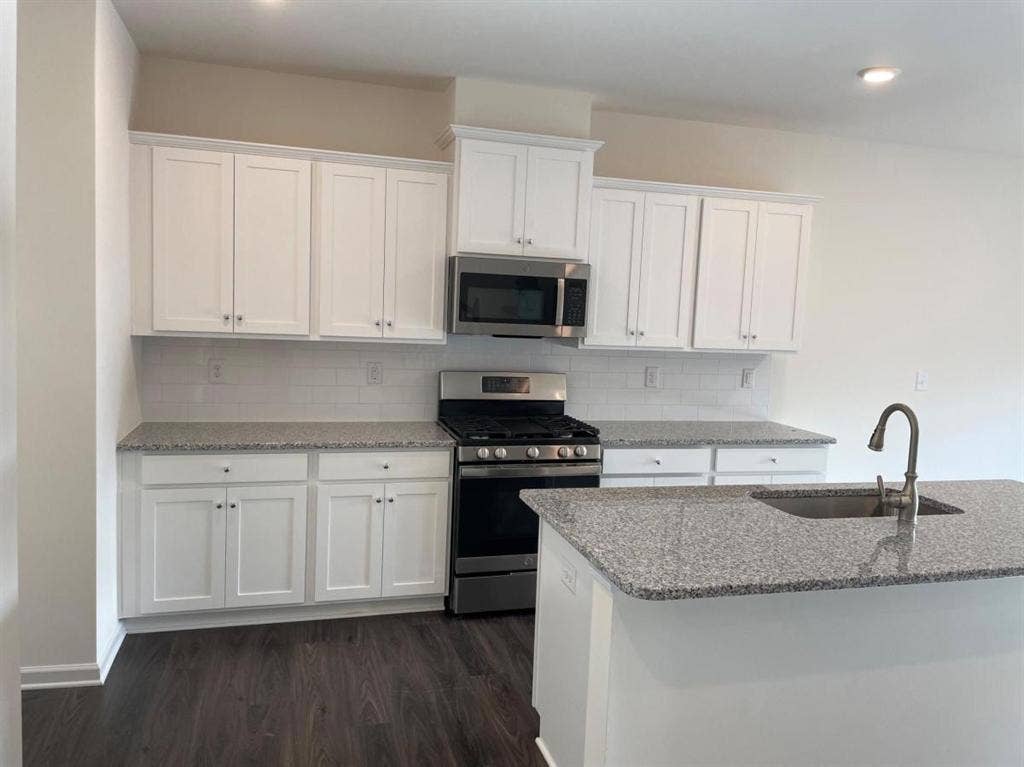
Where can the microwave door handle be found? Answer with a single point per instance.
(560, 302)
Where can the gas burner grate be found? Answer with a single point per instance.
(558, 427)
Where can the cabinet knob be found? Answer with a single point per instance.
(657, 461)
(773, 459)
(227, 317)
(391, 499)
(753, 337)
(632, 332)
(227, 469)
(744, 336)
(377, 500)
(529, 241)
(519, 240)
(641, 332)
(232, 505)
(387, 466)
(388, 323)
(220, 505)
(238, 317)
(377, 323)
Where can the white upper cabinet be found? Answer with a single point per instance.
(521, 194)
(351, 214)
(414, 255)
(492, 197)
(667, 264)
(558, 188)
(780, 269)
(725, 274)
(616, 237)
(192, 224)
(751, 274)
(642, 258)
(272, 218)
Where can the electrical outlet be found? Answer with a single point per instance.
(747, 379)
(374, 373)
(568, 576)
(652, 377)
(921, 381)
(215, 371)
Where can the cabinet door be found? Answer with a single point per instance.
(668, 266)
(414, 255)
(192, 240)
(181, 550)
(266, 545)
(415, 538)
(780, 269)
(272, 199)
(349, 535)
(491, 197)
(615, 241)
(725, 274)
(558, 185)
(350, 244)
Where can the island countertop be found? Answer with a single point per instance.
(285, 435)
(694, 542)
(668, 434)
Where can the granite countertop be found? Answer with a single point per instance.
(288, 435)
(694, 542)
(700, 433)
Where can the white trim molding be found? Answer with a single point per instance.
(107, 657)
(64, 675)
(453, 132)
(635, 185)
(276, 150)
(545, 754)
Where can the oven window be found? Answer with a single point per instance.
(492, 521)
(505, 298)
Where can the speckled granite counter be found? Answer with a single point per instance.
(291, 435)
(702, 433)
(693, 542)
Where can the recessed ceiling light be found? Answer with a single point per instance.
(878, 74)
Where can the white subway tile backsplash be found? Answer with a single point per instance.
(296, 380)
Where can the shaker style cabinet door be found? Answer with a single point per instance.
(415, 538)
(193, 222)
(668, 265)
(350, 244)
(616, 235)
(725, 274)
(349, 536)
(780, 269)
(266, 545)
(558, 183)
(272, 227)
(181, 550)
(492, 197)
(414, 255)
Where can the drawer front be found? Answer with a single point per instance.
(771, 460)
(655, 461)
(696, 481)
(385, 464)
(208, 468)
(627, 481)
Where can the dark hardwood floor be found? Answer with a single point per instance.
(423, 689)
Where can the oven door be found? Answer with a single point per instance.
(494, 531)
(491, 296)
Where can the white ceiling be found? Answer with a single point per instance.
(787, 64)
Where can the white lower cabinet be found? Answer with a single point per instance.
(349, 540)
(266, 546)
(181, 556)
(415, 538)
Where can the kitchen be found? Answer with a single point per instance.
(339, 324)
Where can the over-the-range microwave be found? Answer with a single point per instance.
(517, 297)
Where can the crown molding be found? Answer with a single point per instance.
(453, 132)
(634, 185)
(276, 150)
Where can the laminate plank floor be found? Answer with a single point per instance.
(421, 689)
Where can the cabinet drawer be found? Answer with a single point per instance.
(757, 460)
(402, 464)
(210, 468)
(655, 461)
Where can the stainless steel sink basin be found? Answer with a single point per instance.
(842, 506)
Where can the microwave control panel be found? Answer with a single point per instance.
(574, 307)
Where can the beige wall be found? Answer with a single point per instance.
(510, 106)
(917, 259)
(10, 640)
(56, 361)
(266, 107)
(117, 400)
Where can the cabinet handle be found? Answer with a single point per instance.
(238, 317)
(220, 505)
(391, 499)
(232, 505)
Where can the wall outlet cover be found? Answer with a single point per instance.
(921, 381)
(374, 373)
(652, 377)
(747, 379)
(215, 371)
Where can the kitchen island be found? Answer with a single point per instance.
(699, 625)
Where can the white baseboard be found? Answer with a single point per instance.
(292, 614)
(106, 659)
(542, 747)
(65, 675)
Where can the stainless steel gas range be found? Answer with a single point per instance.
(512, 434)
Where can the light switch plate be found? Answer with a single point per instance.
(215, 371)
(652, 377)
(374, 373)
(921, 381)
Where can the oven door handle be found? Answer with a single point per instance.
(533, 470)
(560, 302)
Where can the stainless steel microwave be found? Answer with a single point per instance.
(517, 297)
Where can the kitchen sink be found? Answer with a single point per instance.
(843, 506)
